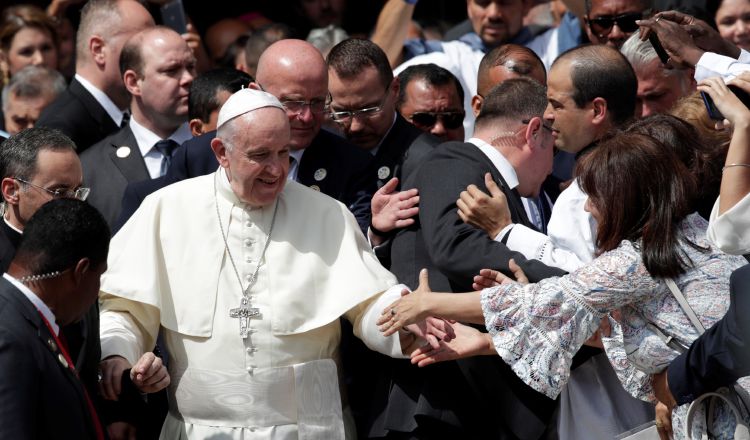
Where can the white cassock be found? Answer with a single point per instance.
(168, 270)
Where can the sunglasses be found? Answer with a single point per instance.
(602, 26)
(450, 120)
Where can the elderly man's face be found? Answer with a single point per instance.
(364, 91)
(434, 109)
(496, 21)
(257, 163)
(659, 91)
(611, 22)
(22, 113)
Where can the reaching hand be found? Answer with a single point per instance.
(432, 330)
(488, 213)
(664, 422)
(675, 39)
(411, 308)
(490, 277)
(728, 104)
(391, 210)
(704, 36)
(149, 374)
(468, 342)
(660, 384)
(110, 384)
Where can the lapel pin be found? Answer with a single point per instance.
(123, 152)
(51, 344)
(384, 172)
(320, 174)
(315, 187)
(62, 360)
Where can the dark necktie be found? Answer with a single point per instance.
(125, 119)
(166, 147)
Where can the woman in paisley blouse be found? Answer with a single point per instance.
(639, 193)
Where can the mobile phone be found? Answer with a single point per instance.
(173, 16)
(658, 48)
(711, 109)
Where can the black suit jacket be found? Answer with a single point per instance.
(107, 174)
(79, 115)
(9, 239)
(476, 397)
(330, 164)
(39, 397)
(722, 354)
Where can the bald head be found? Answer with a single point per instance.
(506, 62)
(294, 70)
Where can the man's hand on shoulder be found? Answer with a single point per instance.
(489, 213)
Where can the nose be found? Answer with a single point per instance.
(616, 35)
(742, 27)
(549, 115)
(646, 110)
(439, 129)
(37, 58)
(494, 12)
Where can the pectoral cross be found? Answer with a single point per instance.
(244, 312)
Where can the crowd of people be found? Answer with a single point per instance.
(530, 225)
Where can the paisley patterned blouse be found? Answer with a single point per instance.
(537, 328)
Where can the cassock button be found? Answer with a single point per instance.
(249, 224)
(248, 242)
(248, 259)
(51, 344)
(248, 278)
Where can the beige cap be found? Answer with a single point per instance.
(244, 101)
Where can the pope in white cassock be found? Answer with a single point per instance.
(246, 275)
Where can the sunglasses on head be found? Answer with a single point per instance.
(602, 26)
(450, 120)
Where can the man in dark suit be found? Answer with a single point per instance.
(363, 103)
(52, 281)
(294, 72)
(158, 68)
(482, 397)
(93, 105)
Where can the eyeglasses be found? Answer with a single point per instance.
(602, 26)
(346, 116)
(79, 193)
(450, 120)
(316, 106)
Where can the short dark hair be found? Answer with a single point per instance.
(703, 160)
(433, 74)
(62, 232)
(642, 192)
(517, 98)
(351, 56)
(599, 71)
(202, 97)
(19, 153)
(587, 5)
(508, 55)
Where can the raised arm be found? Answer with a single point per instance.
(392, 28)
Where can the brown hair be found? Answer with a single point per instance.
(19, 17)
(642, 192)
(692, 109)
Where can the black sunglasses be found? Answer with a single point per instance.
(602, 26)
(450, 120)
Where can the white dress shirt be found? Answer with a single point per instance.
(38, 303)
(146, 140)
(712, 64)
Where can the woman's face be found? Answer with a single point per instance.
(31, 46)
(733, 22)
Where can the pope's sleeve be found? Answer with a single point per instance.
(364, 317)
(127, 328)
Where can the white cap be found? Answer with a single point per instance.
(244, 101)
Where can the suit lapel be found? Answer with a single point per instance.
(131, 165)
(92, 106)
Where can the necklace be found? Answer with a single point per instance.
(245, 311)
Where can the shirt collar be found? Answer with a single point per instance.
(110, 107)
(374, 151)
(501, 163)
(38, 303)
(146, 139)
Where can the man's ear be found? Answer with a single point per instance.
(476, 104)
(599, 109)
(395, 86)
(132, 82)
(10, 190)
(196, 127)
(254, 85)
(79, 271)
(97, 48)
(534, 132)
(220, 151)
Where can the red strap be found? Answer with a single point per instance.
(64, 350)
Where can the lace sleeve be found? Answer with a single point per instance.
(538, 328)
